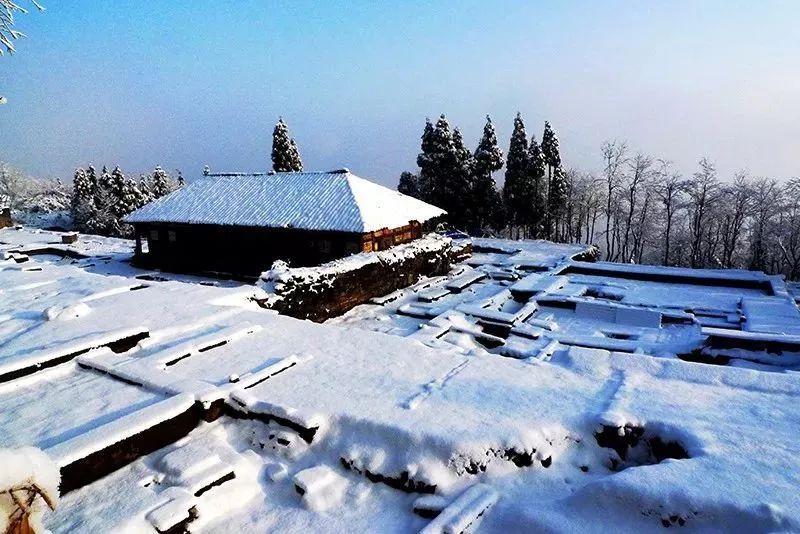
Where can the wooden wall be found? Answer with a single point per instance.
(235, 249)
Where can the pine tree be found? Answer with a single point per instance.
(285, 156)
(552, 159)
(409, 184)
(515, 192)
(102, 218)
(161, 183)
(444, 159)
(484, 197)
(536, 171)
(425, 163)
(460, 182)
(144, 189)
(115, 185)
(82, 207)
(91, 175)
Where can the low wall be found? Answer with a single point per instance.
(331, 289)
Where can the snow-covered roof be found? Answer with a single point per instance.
(334, 201)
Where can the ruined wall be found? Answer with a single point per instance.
(5, 218)
(319, 293)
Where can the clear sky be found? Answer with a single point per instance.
(183, 83)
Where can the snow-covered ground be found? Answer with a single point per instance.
(523, 392)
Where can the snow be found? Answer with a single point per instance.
(489, 404)
(23, 468)
(98, 438)
(332, 201)
(464, 512)
(322, 488)
(281, 279)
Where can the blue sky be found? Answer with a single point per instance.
(185, 83)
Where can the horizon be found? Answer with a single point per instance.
(186, 86)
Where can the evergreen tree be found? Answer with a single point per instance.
(515, 190)
(144, 188)
(102, 218)
(552, 159)
(460, 182)
(409, 184)
(82, 207)
(537, 179)
(161, 183)
(484, 198)
(444, 160)
(425, 163)
(116, 188)
(91, 175)
(488, 155)
(285, 156)
(552, 156)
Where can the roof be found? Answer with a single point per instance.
(334, 201)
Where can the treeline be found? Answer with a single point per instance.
(640, 209)
(101, 201)
(533, 200)
(637, 209)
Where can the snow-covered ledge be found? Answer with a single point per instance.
(319, 293)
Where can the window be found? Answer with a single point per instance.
(324, 246)
(171, 236)
(153, 235)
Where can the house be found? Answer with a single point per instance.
(240, 223)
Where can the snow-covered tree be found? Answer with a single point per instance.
(538, 194)
(484, 197)
(552, 160)
(550, 150)
(425, 162)
(557, 204)
(14, 185)
(161, 183)
(444, 156)
(144, 187)
(409, 184)
(459, 183)
(285, 156)
(8, 33)
(82, 199)
(516, 190)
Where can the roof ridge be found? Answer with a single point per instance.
(347, 178)
(343, 170)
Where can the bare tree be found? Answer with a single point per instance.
(766, 199)
(788, 234)
(669, 188)
(614, 157)
(14, 185)
(703, 191)
(736, 200)
(640, 169)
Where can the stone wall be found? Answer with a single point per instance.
(331, 289)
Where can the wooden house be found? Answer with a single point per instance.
(239, 223)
